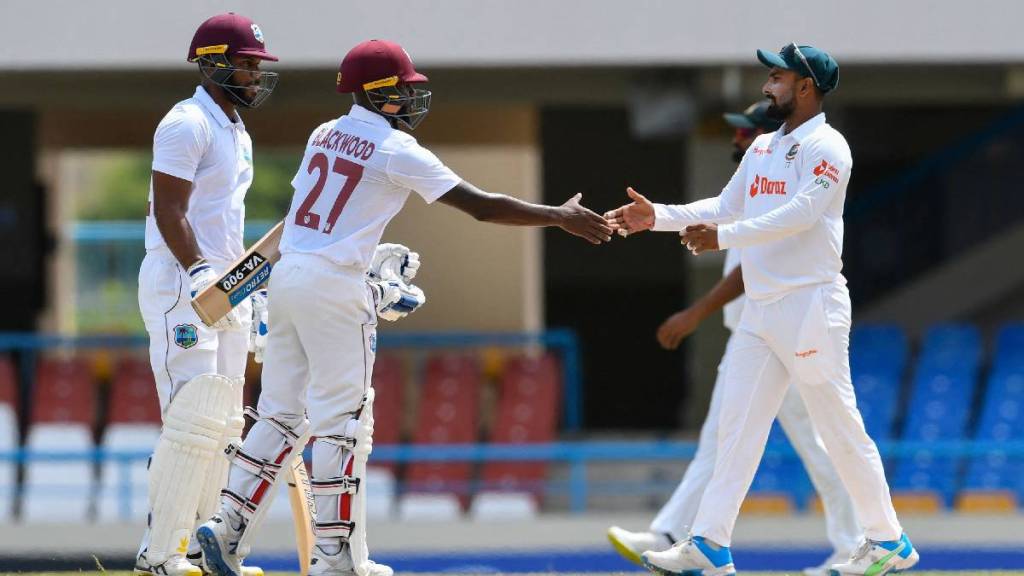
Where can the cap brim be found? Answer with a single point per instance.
(259, 54)
(415, 78)
(738, 120)
(771, 59)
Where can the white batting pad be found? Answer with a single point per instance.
(194, 426)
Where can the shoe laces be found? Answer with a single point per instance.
(682, 544)
(863, 550)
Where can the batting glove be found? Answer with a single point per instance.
(394, 262)
(258, 333)
(394, 300)
(201, 275)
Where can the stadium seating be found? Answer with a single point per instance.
(63, 413)
(133, 425)
(933, 396)
(995, 481)
(878, 348)
(1009, 352)
(527, 412)
(939, 409)
(449, 413)
(878, 360)
(389, 401)
(388, 412)
(9, 438)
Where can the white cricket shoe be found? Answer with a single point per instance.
(175, 565)
(197, 559)
(694, 556)
(823, 568)
(340, 564)
(219, 541)
(632, 544)
(875, 558)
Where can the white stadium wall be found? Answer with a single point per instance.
(126, 33)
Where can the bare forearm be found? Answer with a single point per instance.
(726, 290)
(177, 234)
(502, 209)
(499, 208)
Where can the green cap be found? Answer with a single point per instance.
(755, 116)
(807, 61)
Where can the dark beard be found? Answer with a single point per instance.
(780, 112)
(737, 154)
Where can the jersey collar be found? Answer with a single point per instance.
(214, 110)
(807, 128)
(363, 115)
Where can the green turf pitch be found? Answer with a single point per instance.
(910, 573)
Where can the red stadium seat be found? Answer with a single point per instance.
(8, 382)
(527, 412)
(449, 413)
(133, 398)
(389, 387)
(64, 392)
(9, 437)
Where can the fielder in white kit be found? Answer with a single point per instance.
(784, 208)
(675, 518)
(202, 169)
(356, 174)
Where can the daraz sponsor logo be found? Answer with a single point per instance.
(762, 185)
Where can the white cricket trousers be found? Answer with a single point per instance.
(802, 337)
(321, 343)
(677, 515)
(181, 347)
(319, 358)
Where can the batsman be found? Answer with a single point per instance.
(202, 169)
(356, 174)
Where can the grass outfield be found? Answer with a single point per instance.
(910, 573)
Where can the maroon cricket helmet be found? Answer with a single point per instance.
(229, 34)
(374, 64)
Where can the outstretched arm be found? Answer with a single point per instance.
(683, 323)
(501, 209)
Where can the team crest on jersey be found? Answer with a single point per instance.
(257, 33)
(186, 335)
(792, 152)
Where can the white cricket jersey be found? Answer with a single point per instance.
(356, 174)
(783, 206)
(197, 142)
(731, 312)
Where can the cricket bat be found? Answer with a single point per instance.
(242, 278)
(303, 511)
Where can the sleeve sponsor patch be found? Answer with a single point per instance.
(827, 170)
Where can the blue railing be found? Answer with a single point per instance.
(560, 340)
(576, 454)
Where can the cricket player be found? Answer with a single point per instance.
(675, 518)
(202, 168)
(784, 208)
(356, 174)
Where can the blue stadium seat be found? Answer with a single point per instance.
(951, 347)
(878, 349)
(781, 473)
(941, 394)
(878, 360)
(1002, 414)
(926, 471)
(1009, 352)
(878, 400)
(939, 406)
(1001, 420)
